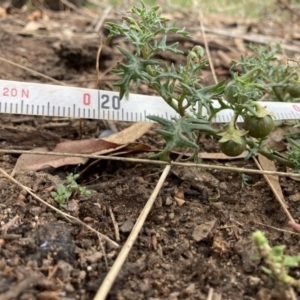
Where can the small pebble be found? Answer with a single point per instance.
(127, 226)
(171, 216)
(253, 281)
(94, 257)
(169, 201)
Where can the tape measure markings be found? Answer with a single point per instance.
(61, 101)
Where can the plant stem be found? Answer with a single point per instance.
(265, 152)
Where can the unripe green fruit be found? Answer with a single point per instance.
(230, 94)
(259, 127)
(294, 90)
(231, 148)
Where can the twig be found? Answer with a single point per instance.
(157, 162)
(68, 217)
(112, 274)
(10, 223)
(278, 229)
(200, 18)
(294, 225)
(97, 63)
(73, 7)
(210, 294)
(256, 38)
(102, 18)
(115, 224)
(289, 8)
(275, 192)
(109, 123)
(32, 71)
(28, 282)
(292, 293)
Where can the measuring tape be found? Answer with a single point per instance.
(71, 102)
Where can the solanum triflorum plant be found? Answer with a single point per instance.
(180, 86)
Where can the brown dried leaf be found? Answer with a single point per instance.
(274, 140)
(3, 13)
(269, 165)
(37, 162)
(201, 231)
(130, 134)
(89, 146)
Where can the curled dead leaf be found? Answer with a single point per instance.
(179, 193)
(179, 201)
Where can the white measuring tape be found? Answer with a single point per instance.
(71, 102)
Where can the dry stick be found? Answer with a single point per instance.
(4, 228)
(206, 47)
(256, 38)
(74, 7)
(109, 123)
(289, 8)
(32, 71)
(97, 62)
(155, 162)
(116, 227)
(275, 192)
(102, 18)
(114, 244)
(112, 274)
(292, 293)
(210, 294)
(278, 229)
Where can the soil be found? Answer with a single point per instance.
(200, 250)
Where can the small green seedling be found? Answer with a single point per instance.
(277, 263)
(65, 191)
(244, 180)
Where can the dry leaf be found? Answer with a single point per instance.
(37, 162)
(179, 201)
(33, 26)
(36, 15)
(130, 134)
(3, 13)
(269, 165)
(205, 155)
(201, 231)
(88, 146)
(275, 138)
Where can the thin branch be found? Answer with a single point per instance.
(116, 227)
(157, 162)
(200, 18)
(112, 274)
(32, 71)
(278, 229)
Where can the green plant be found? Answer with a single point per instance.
(263, 75)
(65, 191)
(277, 263)
(244, 180)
